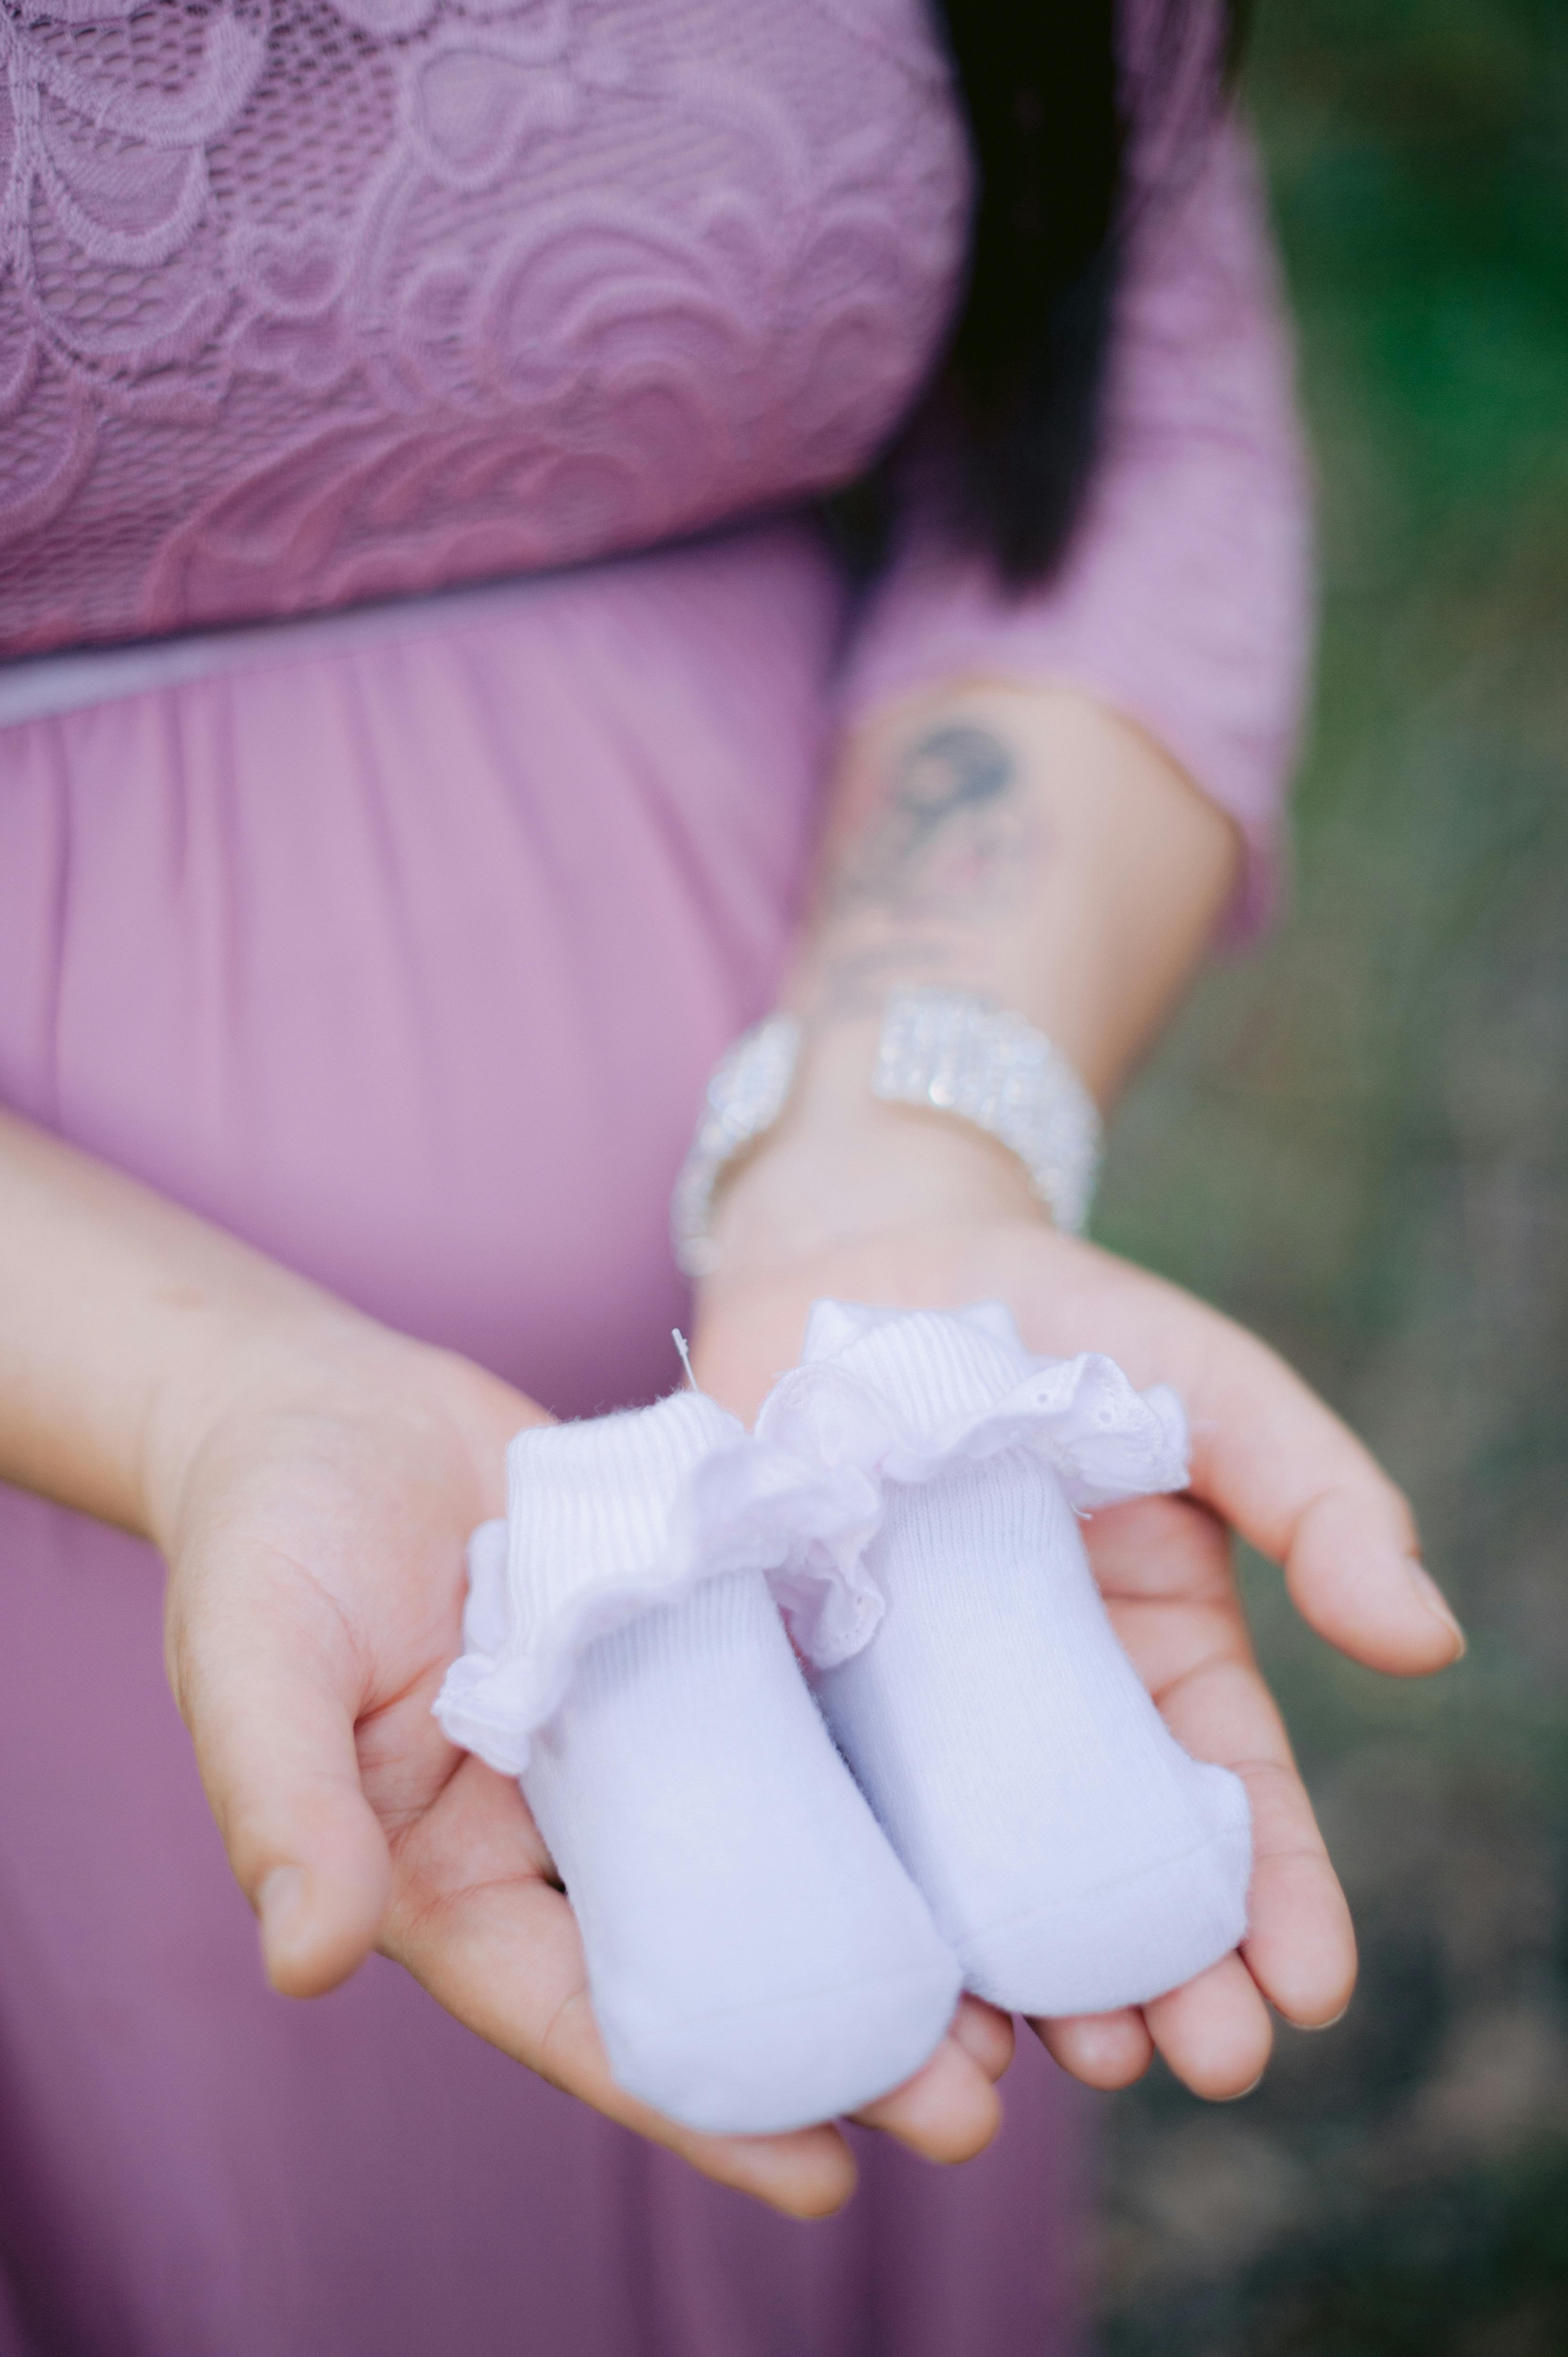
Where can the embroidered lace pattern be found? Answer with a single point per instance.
(304, 302)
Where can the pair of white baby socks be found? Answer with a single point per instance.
(778, 1919)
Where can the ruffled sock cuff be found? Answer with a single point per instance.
(609, 1518)
(961, 1382)
(932, 1367)
(599, 1527)
(900, 1395)
(593, 1508)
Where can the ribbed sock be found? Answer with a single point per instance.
(758, 1958)
(1074, 1856)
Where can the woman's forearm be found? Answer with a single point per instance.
(117, 1309)
(1027, 844)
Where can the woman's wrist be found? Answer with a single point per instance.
(135, 1331)
(840, 1164)
(236, 1364)
(262, 1373)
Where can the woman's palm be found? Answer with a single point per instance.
(1270, 1460)
(317, 1582)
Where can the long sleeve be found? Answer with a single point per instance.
(1185, 599)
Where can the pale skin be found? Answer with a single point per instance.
(311, 1476)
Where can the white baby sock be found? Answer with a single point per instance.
(1074, 1855)
(758, 1958)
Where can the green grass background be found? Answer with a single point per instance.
(1358, 1143)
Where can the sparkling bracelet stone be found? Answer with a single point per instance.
(947, 1050)
(961, 1054)
(746, 1096)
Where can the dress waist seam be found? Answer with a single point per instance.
(47, 686)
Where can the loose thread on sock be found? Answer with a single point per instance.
(680, 1342)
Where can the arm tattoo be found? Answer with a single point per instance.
(952, 837)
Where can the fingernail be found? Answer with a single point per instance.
(1314, 2027)
(1242, 2093)
(278, 1902)
(1432, 1598)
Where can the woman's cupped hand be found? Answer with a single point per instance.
(312, 1494)
(1270, 1462)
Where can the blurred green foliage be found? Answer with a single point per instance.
(1358, 1143)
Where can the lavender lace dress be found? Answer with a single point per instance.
(397, 929)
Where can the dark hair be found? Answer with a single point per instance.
(1022, 382)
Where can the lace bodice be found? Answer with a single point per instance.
(305, 303)
(312, 301)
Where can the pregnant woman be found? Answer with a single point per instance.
(436, 719)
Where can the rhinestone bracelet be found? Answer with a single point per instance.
(948, 1051)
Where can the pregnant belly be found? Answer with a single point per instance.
(403, 952)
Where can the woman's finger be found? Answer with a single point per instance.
(1107, 2050)
(1269, 1458)
(1275, 1462)
(1196, 1660)
(1214, 2033)
(476, 1924)
(1162, 1566)
(985, 2033)
(948, 2111)
(268, 1694)
(1364, 1587)
(1300, 1945)
(1163, 1550)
